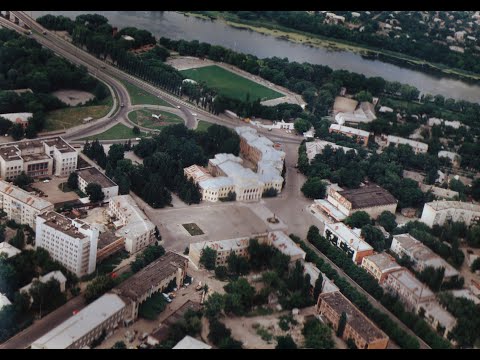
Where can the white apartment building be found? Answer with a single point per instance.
(20, 205)
(132, 223)
(437, 212)
(91, 175)
(417, 146)
(37, 158)
(73, 243)
(316, 147)
(81, 329)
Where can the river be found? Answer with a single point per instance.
(177, 26)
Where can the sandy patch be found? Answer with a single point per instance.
(73, 97)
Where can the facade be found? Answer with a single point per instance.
(379, 266)
(316, 147)
(372, 199)
(8, 250)
(132, 223)
(92, 175)
(20, 205)
(439, 318)
(361, 136)
(57, 275)
(151, 279)
(359, 328)
(437, 212)
(411, 292)
(37, 158)
(341, 236)
(417, 146)
(81, 329)
(73, 243)
(190, 343)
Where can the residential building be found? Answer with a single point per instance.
(108, 244)
(364, 113)
(73, 243)
(341, 236)
(360, 136)
(438, 212)
(190, 343)
(331, 18)
(57, 275)
(91, 175)
(380, 265)
(466, 294)
(439, 192)
(453, 156)
(327, 284)
(21, 206)
(359, 328)
(4, 301)
(37, 158)
(372, 199)
(316, 147)
(285, 245)
(18, 118)
(411, 292)
(132, 224)
(438, 318)
(151, 279)
(8, 250)
(417, 146)
(421, 255)
(326, 212)
(80, 330)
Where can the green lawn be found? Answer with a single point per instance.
(203, 125)
(144, 118)
(152, 307)
(66, 118)
(118, 131)
(193, 229)
(141, 97)
(231, 84)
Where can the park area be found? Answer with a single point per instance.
(141, 97)
(229, 84)
(145, 119)
(118, 131)
(203, 125)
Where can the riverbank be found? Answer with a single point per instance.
(318, 41)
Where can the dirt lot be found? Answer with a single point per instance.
(73, 97)
(55, 195)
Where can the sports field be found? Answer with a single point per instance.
(229, 84)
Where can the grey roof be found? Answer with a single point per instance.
(23, 196)
(368, 196)
(189, 342)
(93, 175)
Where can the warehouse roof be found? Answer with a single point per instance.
(93, 175)
(368, 196)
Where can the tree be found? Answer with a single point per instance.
(17, 131)
(387, 220)
(94, 192)
(285, 342)
(317, 335)
(159, 237)
(19, 239)
(358, 219)
(475, 190)
(314, 188)
(72, 181)
(186, 251)
(214, 306)
(208, 258)
(374, 237)
(473, 236)
(97, 287)
(221, 272)
(115, 154)
(301, 125)
(218, 331)
(341, 324)
(237, 265)
(270, 192)
(22, 180)
(46, 296)
(136, 130)
(364, 96)
(119, 345)
(318, 287)
(475, 265)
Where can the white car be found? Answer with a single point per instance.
(178, 106)
(194, 114)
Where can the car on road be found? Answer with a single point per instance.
(178, 106)
(167, 298)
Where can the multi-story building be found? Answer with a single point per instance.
(37, 158)
(372, 199)
(327, 284)
(379, 266)
(364, 113)
(417, 146)
(313, 148)
(57, 275)
(421, 255)
(91, 175)
(360, 136)
(80, 330)
(438, 212)
(341, 236)
(359, 328)
(73, 243)
(20, 205)
(132, 223)
(411, 292)
(438, 318)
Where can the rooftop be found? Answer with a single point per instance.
(316, 147)
(9, 250)
(12, 150)
(151, 275)
(355, 318)
(70, 227)
(223, 245)
(321, 205)
(64, 335)
(467, 294)
(137, 222)
(383, 262)
(14, 116)
(93, 175)
(407, 241)
(368, 196)
(4, 301)
(349, 130)
(312, 270)
(286, 245)
(23, 196)
(410, 282)
(197, 173)
(412, 143)
(348, 235)
(57, 275)
(189, 342)
(449, 205)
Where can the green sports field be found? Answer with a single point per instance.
(229, 84)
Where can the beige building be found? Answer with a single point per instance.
(132, 224)
(380, 265)
(417, 146)
(20, 205)
(360, 136)
(359, 328)
(73, 243)
(438, 212)
(37, 158)
(372, 199)
(91, 175)
(313, 148)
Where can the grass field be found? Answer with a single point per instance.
(118, 131)
(193, 229)
(230, 84)
(140, 97)
(72, 116)
(203, 125)
(144, 118)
